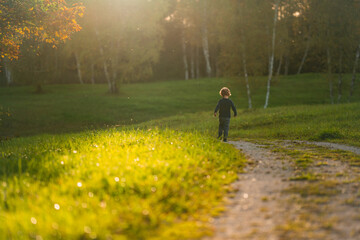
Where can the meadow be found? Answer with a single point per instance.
(77, 163)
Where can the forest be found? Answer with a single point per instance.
(122, 41)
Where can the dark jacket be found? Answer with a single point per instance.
(224, 106)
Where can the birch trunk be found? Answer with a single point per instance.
(340, 81)
(304, 57)
(247, 79)
(352, 86)
(244, 59)
(271, 61)
(279, 67)
(197, 57)
(329, 75)
(112, 89)
(78, 67)
(192, 63)
(186, 66)
(107, 76)
(8, 74)
(205, 41)
(92, 74)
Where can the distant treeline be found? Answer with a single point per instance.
(146, 40)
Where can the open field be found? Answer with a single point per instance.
(145, 164)
(69, 108)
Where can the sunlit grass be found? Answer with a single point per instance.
(118, 184)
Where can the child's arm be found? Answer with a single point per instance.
(234, 109)
(217, 109)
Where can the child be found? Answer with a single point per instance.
(224, 106)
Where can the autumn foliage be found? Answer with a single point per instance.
(50, 21)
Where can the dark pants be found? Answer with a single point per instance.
(224, 124)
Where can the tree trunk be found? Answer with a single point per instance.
(92, 74)
(329, 75)
(186, 66)
(243, 45)
(304, 57)
(287, 65)
(8, 74)
(246, 78)
(197, 58)
(192, 63)
(78, 67)
(271, 60)
(56, 71)
(340, 81)
(205, 41)
(352, 86)
(279, 67)
(112, 86)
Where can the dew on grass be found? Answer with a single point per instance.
(87, 229)
(117, 179)
(136, 159)
(55, 225)
(97, 164)
(93, 235)
(62, 162)
(38, 237)
(79, 184)
(103, 204)
(57, 206)
(33, 220)
(74, 151)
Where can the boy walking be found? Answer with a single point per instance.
(224, 106)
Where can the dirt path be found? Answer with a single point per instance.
(269, 205)
(254, 212)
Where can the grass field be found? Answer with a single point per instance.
(145, 164)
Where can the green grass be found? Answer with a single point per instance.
(128, 184)
(70, 108)
(144, 164)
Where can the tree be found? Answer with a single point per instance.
(271, 58)
(50, 21)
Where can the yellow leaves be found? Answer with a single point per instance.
(54, 24)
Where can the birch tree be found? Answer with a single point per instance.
(205, 38)
(353, 78)
(271, 60)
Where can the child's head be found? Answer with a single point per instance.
(225, 92)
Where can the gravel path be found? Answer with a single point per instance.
(260, 205)
(254, 212)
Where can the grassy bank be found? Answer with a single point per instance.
(118, 184)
